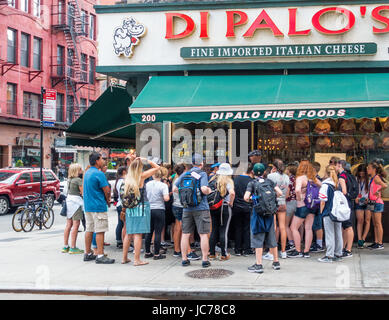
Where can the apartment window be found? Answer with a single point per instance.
(92, 66)
(36, 8)
(91, 102)
(37, 55)
(24, 5)
(61, 12)
(31, 105)
(83, 105)
(25, 50)
(84, 67)
(69, 109)
(11, 99)
(12, 3)
(59, 107)
(11, 45)
(84, 21)
(71, 15)
(70, 71)
(92, 27)
(60, 60)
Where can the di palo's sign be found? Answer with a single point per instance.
(312, 33)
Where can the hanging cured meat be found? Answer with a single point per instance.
(323, 127)
(347, 143)
(275, 126)
(367, 143)
(385, 143)
(323, 143)
(301, 126)
(367, 126)
(347, 126)
(386, 125)
(303, 142)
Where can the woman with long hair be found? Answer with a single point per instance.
(362, 214)
(221, 217)
(177, 209)
(157, 194)
(137, 216)
(375, 205)
(291, 203)
(74, 205)
(282, 181)
(305, 173)
(333, 230)
(120, 176)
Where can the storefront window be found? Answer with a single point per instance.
(356, 140)
(214, 146)
(29, 156)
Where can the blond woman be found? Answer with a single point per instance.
(137, 218)
(221, 217)
(74, 206)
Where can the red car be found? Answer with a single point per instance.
(17, 183)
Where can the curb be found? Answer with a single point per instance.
(204, 294)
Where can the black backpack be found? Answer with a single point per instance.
(189, 191)
(352, 186)
(264, 198)
(215, 200)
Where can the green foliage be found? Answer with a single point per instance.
(19, 163)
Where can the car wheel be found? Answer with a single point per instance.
(4, 205)
(50, 200)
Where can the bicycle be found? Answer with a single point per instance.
(41, 214)
(16, 218)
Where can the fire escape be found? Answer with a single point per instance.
(71, 72)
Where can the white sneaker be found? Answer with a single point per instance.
(268, 256)
(283, 255)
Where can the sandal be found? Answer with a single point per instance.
(127, 261)
(140, 263)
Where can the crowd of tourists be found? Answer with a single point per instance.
(274, 211)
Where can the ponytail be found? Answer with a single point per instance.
(379, 168)
(279, 165)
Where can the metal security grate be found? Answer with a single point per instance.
(209, 273)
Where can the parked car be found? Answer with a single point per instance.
(17, 183)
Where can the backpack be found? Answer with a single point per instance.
(352, 186)
(264, 198)
(129, 200)
(311, 199)
(215, 200)
(115, 193)
(340, 210)
(189, 191)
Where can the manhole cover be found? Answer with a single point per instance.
(209, 273)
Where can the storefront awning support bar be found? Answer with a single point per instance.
(88, 137)
(110, 131)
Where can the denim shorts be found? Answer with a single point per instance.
(378, 207)
(302, 212)
(358, 207)
(177, 212)
(317, 223)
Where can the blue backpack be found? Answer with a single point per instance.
(189, 191)
(312, 200)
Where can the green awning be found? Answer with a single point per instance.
(106, 123)
(262, 97)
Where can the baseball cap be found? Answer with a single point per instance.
(255, 153)
(259, 169)
(197, 159)
(217, 164)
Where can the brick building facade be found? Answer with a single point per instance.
(50, 44)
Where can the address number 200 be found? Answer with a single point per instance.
(148, 117)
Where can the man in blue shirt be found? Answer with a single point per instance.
(198, 216)
(97, 198)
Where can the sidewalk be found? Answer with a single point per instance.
(33, 262)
